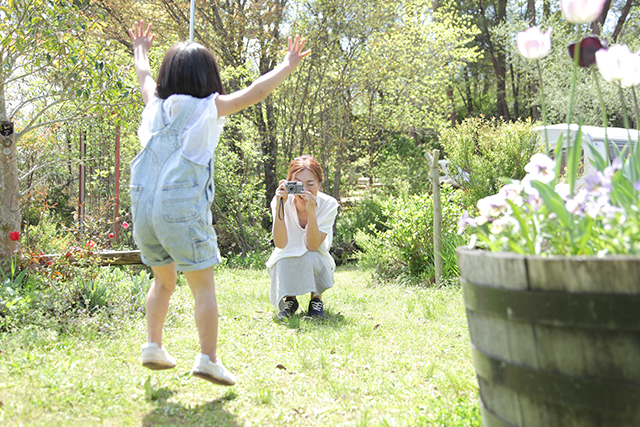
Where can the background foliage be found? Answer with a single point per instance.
(384, 85)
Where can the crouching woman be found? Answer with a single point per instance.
(302, 233)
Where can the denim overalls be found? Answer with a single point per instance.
(171, 200)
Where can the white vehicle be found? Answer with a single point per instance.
(591, 135)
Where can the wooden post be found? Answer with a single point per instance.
(117, 187)
(82, 178)
(437, 213)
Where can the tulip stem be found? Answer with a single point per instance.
(605, 123)
(576, 61)
(624, 107)
(544, 109)
(635, 149)
(635, 101)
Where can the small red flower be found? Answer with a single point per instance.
(111, 235)
(125, 225)
(91, 244)
(67, 255)
(14, 235)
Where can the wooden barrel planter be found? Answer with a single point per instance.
(555, 341)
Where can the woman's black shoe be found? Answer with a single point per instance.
(290, 307)
(315, 308)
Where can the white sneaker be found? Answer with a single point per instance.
(156, 358)
(213, 372)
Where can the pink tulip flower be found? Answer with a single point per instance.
(125, 225)
(581, 11)
(533, 43)
(618, 64)
(632, 78)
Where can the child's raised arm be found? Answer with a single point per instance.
(142, 41)
(265, 84)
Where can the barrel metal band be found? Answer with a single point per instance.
(581, 392)
(585, 310)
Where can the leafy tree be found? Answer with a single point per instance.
(52, 71)
(376, 71)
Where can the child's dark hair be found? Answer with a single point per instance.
(189, 69)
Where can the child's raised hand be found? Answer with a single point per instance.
(294, 53)
(140, 37)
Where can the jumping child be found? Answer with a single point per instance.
(172, 184)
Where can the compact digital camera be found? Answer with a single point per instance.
(294, 187)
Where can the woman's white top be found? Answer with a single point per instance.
(201, 133)
(326, 211)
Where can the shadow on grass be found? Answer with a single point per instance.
(210, 413)
(331, 320)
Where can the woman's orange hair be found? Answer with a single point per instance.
(305, 162)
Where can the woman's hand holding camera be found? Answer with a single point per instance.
(281, 192)
(310, 200)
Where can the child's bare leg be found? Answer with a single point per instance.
(206, 309)
(163, 285)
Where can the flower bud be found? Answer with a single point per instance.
(533, 43)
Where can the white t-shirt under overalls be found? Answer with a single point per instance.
(201, 133)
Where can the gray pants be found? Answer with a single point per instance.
(299, 275)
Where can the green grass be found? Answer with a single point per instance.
(385, 356)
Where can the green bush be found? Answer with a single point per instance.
(251, 260)
(404, 251)
(400, 161)
(487, 150)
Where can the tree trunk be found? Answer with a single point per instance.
(270, 151)
(546, 9)
(531, 12)
(514, 89)
(452, 116)
(498, 59)
(596, 26)
(10, 211)
(337, 176)
(622, 19)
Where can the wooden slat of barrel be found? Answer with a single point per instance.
(588, 352)
(588, 274)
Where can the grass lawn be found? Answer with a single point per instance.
(384, 356)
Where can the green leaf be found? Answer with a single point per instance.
(574, 153)
(557, 155)
(554, 203)
(598, 161)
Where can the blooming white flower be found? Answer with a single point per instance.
(611, 170)
(632, 77)
(562, 189)
(533, 43)
(492, 206)
(581, 11)
(501, 224)
(465, 220)
(513, 192)
(617, 64)
(541, 168)
(597, 184)
(578, 204)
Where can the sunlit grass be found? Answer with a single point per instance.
(385, 355)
